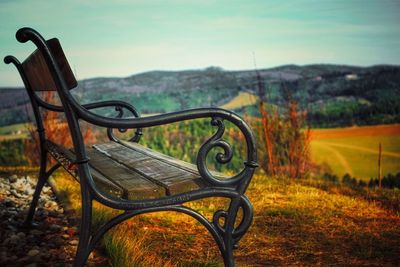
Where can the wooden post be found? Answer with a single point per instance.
(379, 165)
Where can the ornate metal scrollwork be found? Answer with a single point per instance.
(213, 142)
(245, 222)
(138, 132)
(217, 220)
(222, 158)
(247, 218)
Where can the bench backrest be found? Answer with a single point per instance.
(47, 69)
(37, 72)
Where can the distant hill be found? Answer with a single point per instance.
(13, 106)
(333, 95)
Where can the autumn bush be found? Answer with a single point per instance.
(283, 137)
(56, 130)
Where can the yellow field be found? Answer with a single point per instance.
(241, 100)
(354, 150)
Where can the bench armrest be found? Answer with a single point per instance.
(217, 116)
(119, 106)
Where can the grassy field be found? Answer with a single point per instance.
(15, 131)
(241, 100)
(13, 128)
(354, 150)
(296, 223)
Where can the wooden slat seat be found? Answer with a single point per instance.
(132, 171)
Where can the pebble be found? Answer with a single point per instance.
(33, 252)
(65, 236)
(36, 232)
(9, 203)
(21, 235)
(73, 242)
(12, 212)
(14, 239)
(13, 178)
(48, 244)
(55, 227)
(53, 213)
(14, 193)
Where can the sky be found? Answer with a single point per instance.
(118, 38)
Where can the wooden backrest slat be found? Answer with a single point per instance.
(38, 74)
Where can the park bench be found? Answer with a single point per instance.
(124, 175)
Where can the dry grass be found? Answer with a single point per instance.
(151, 239)
(381, 130)
(8, 137)
(15, 131)
(295, 224)
(18, 169)
(304, 225)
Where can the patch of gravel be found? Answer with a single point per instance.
(52, 243)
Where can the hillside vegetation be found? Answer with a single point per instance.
(333, 95)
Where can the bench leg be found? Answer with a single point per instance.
(83, 250)
(227, 234)
(228, 257)
(43, 176)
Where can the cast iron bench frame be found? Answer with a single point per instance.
(47, 69)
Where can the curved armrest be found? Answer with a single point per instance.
(118, 104)
(217, 116)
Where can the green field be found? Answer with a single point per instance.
(13, 128)
(15, 131)
(355, 150)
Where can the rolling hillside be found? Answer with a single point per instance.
(333, 95)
